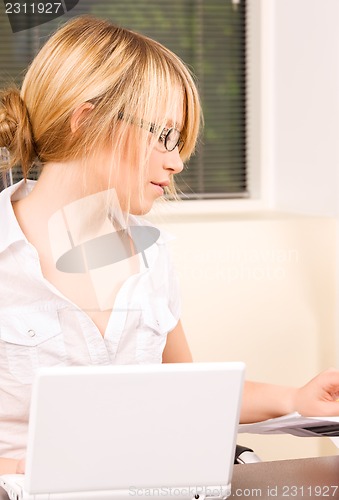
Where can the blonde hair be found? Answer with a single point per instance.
(123, 74)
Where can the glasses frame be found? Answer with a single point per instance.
(164, 136)
(154, 129)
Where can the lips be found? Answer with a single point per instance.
(162, 184)
(159, 189)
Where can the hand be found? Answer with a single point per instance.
(21, 465)
(320, 396)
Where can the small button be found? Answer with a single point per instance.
(31, 333)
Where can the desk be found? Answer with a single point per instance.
(306, 479)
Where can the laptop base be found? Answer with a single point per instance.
(13, 485)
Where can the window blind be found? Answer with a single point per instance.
(210, 36)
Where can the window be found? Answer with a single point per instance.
(210, 36)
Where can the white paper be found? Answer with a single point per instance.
(295, 424)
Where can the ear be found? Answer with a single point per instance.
(79, 114)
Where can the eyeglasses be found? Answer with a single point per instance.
(169, 137)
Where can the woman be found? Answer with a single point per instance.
(111, 116)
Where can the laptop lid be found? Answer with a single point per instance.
(134, 428)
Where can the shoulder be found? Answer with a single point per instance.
(18, 190)
(13, 193)
(10, 229)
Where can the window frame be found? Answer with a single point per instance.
(260, 130)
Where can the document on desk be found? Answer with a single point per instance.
(295, 424)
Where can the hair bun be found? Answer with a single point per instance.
(15, 129)
(9, 111)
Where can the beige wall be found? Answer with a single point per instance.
(260, 288)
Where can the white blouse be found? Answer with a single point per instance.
(40, 327)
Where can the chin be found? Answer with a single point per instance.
(141, 210)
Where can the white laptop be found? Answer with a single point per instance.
(142, 431)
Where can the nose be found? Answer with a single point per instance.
(173, 161)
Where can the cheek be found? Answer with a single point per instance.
(155, 159)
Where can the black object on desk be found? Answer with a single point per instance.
(244, 455)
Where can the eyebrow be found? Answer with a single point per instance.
(172, 124)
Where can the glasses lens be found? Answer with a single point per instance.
(172, 139)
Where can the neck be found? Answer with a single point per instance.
(59, 185)
(61, 194)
